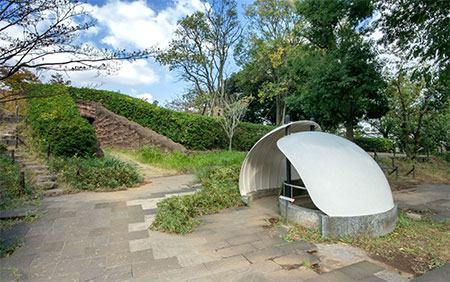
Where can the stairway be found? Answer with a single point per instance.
(40, 175)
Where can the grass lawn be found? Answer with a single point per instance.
(434, 170)
(182, 163)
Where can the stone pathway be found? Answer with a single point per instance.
(426, 197)
(104, 237)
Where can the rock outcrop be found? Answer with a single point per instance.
(116, 131)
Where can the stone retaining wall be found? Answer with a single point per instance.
(116, 131)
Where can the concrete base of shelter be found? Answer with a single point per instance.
(260, 194)
(337, 227)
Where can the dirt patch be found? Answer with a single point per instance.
(431, 171)
(403, 263)
(272, 222)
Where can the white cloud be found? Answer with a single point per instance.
(131, 74)
(146, 97)
(135, 24)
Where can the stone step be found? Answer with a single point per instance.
(36, 167)
(28, 163)
(41, 172)
(20, 212)
(53, 192)
(20, 156)
(44, 178)
(47, 185)
(8, 142)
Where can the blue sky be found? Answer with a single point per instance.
(131, 24)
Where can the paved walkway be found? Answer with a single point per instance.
(431, 197)
(104, 237)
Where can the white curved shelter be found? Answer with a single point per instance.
(348, 190)
(264, 167)
(341, 178)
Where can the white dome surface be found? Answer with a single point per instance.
(341, 178)
(264, 166)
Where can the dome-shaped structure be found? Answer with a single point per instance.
(348, 194)
(264, 167)
(341, 178)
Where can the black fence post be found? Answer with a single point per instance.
(312, 127)
(13, 158)
(17, 139)
(48, 151)
(22, 180)
(287, 131)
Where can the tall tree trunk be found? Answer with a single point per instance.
(280, 110)
(349, 130)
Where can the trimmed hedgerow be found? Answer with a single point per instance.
(195, 132)
(55, 120)
(372, 144)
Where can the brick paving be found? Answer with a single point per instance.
(105, 237)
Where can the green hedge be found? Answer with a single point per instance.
(56, 121)
(370, 144)
(195, 132)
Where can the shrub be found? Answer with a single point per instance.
(11, 193)
(370, 144)
(95, 174)
(177, 214)
(195, 132)
(56, 121)
(3, 148)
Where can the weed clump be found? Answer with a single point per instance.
(95, 174)
(178, 214)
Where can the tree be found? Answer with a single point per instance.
(234, 107)
(201, 49)
(265, 50)
(57, 78)
(416, 109)
(343, 76)
(420, 28)
(41, 34)
(13, 87)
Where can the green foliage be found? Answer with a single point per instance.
(6, 249)
(325, 17)
(420, 27)
(195, 132)
(177, 214)
(188, 163)
(420, 114)
(264, 54)
(200, 51)
(3, 148)
(343, 78)
(95, 174)
(11, 193)
(372, 144)
(56, 121)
